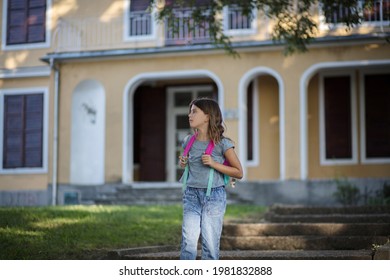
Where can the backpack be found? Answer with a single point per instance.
(209, 150)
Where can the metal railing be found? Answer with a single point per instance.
(236, 20)
(96, 34)
(87, 34)
(182, 30)
(378, 12)
(140, 24)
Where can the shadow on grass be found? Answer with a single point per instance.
(84, 232)
(88, 232)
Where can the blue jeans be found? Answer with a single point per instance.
(203, 216)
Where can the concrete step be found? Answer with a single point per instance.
(329, 218)
(311, 229)
(289, 243)
(315, 210)
(261, 255)
(125, 195)
(352, 214)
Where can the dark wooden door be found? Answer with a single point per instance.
(152, 133)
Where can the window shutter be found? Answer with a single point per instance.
(377, 115)
(23, 131)
(338, 123)
(26, 21)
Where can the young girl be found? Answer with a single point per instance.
(202, 212)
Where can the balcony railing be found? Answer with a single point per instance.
(140, 24)
(182, 30)
(378, 12)
(87, 34)
(95, 34)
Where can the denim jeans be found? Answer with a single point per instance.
(203, 216)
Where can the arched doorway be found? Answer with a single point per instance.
(262, 78)
(163, 85)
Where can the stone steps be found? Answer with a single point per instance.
(289, 243)
(351, 230)
(296, 233)
(311, 229)
(260, 255)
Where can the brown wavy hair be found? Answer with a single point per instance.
(216, 125)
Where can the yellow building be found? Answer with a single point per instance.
(94, 94)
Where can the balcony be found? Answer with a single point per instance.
(140, 30)
(378, 13)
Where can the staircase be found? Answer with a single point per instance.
(295, 233)
(291, 232)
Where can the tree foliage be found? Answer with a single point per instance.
(294, 25)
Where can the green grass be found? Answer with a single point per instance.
(88, 232)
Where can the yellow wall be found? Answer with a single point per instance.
(115, 73)
(268, 168)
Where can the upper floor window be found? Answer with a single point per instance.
(235, 23)
(141, 23)
(26, 23)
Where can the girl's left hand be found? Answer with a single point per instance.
(207, 160)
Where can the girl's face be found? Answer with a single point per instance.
(198, 118)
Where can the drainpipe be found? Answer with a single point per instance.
(55, 132)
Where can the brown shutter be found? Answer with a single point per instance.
(338, 117)
(377, 115)
(26, 21)
(23, 131)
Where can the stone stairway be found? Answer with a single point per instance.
(293, 232)
(311, 233)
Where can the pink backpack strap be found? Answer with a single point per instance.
(210, 148)
(189, 145)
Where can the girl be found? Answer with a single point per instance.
(202, 212)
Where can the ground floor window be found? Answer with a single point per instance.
(338, 119)
(340, 116)
(376, 116)
(23, 130)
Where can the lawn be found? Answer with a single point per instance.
(88, 232)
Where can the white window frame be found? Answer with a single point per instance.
(364, 158)
(45, 125)
(39, 45)
(354, 159)
(255, 126)
(239, 32)
(126, 29)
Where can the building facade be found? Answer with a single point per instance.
(96, 93)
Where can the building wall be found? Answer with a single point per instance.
(278, 79)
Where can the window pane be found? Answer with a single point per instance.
(377, 115)
(182, 122)
(182, 99)
(338, 135)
